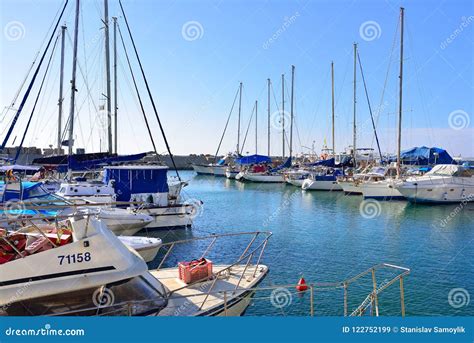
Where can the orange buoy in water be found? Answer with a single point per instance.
(301, 286)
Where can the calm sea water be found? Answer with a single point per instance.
(324, 237)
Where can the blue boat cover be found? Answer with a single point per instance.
(28, 190)
(287, 164)
(424, 156)
(253, 159)
(97, 163)
(135, 180)
(221, 162)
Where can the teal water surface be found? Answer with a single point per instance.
(324, 237)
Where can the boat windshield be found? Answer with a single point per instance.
(135, 296)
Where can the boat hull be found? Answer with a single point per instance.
(297, 183)
(165, 217)
(350, 188)
(264, 178)
(381, 190)
(219, 170)
(437, 194)
(231, 174)
(203, 169)
(316, 185)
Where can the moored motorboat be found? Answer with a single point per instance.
(445, 183)
(94, 273)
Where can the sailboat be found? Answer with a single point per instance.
(276, 175)
(220, 168)
(325, 178)
(385, 189)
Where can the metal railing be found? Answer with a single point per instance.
(266, 294)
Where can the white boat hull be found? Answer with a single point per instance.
(315, 185)
(380, 190)
(169, 216)
(219, 170)
(203, 169)
(231, 174)
(443, 192)
(297, 183)
(264, 178)
(349, 187)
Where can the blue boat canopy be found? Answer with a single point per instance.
(425, 156)
(23, 191)
(253, 159)
(287, 164)
(129, 180)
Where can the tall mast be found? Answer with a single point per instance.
(332, 106)
(354, 152)
(283, 113)
(291, 108)
(115, 87)
(402, 14)
(256, 126)
(268, 114)
(61, 86)
(238, 123)
(73, 86)
(107, 73)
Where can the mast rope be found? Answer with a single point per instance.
(370, 107)
(36, 101)
(246, 132)
(30, 86)
(136, 89)
(149, 92)
(226, 124)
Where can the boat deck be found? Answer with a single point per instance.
(187, 300)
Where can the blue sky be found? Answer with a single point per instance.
(194, 78)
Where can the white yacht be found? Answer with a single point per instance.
(445, 183)
(351, 184)
(89, 271)
(382, 188)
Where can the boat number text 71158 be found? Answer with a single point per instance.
(74, 258)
